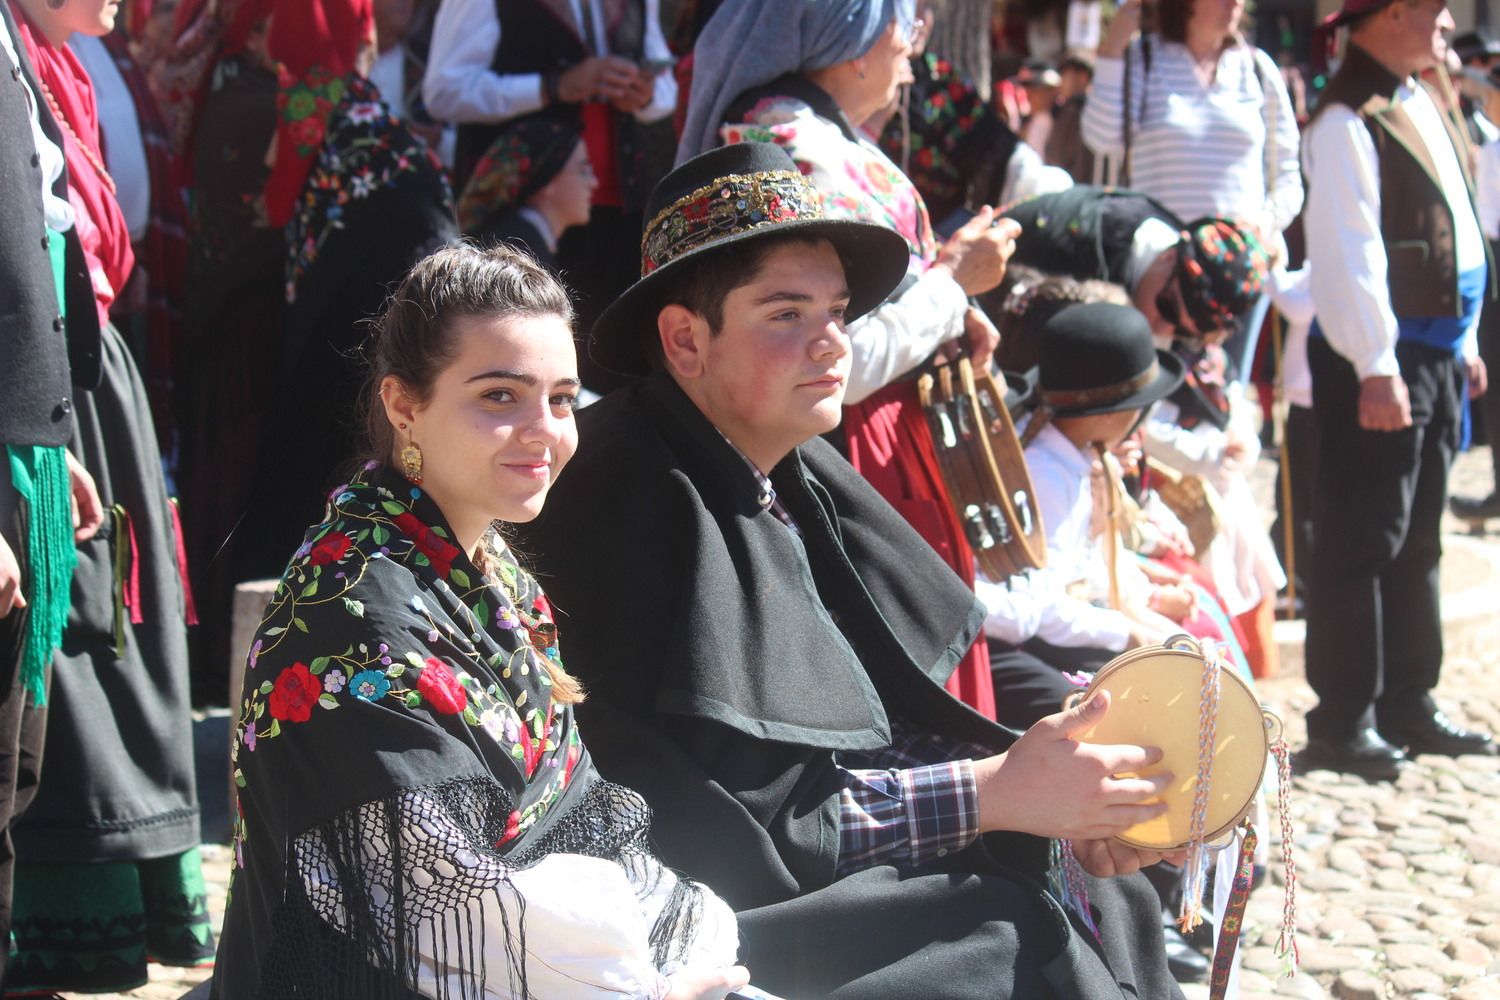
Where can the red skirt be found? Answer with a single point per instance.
(891, 446)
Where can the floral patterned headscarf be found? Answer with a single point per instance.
(314, 43)
(1222, 270)
(523, 159)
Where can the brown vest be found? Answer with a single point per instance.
(1416, 219)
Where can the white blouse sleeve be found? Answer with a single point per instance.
(1283, 159)
(901, 334)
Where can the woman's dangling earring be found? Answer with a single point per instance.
(861, 69)
(411, 461)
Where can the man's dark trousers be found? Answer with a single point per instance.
(1374, 627)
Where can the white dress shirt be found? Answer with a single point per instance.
(459, 85)
(1344, 243)
(57, 211)
(1076, 557)
(1291, 291)
(1487, 189)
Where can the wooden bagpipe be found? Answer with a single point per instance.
(983, 467)
(1216, 740)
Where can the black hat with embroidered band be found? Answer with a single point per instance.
(709, 208)
(1098, 357)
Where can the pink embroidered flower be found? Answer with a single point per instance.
(441, 688)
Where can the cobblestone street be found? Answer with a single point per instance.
(1398, 894)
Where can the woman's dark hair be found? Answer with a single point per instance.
(413, 337)
(1172, 18)
(1032, 298)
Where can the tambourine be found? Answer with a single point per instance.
(1157, 699)
(984, 468)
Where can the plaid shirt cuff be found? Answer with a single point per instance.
(905, 817)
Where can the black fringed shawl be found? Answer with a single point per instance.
(392, 682)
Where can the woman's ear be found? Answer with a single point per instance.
(683, 335)
(400, 409)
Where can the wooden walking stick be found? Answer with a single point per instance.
(1278, 417)
(1112, 525)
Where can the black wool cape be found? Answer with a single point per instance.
(728, 660)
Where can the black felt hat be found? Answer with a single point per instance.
(1098, 357)
(714, 204)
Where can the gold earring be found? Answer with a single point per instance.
(411, 461)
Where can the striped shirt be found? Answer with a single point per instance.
(1201, 150)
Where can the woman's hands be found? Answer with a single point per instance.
(1107, 858)
(714, 984)
(1122, 28)
(11, 597)
(976, 255)
(88, 510)
(1050, 785)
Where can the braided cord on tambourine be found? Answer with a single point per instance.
(1195, 869)
(1286, 944)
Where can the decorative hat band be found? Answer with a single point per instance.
(1104, 395)
(733, 204)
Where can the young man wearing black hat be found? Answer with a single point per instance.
(779, 637)
(1400, 269)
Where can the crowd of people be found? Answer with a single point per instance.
(385, 267)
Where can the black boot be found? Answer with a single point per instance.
(1475, 509)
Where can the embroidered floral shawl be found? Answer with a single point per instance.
(361, 148)
(393, 682)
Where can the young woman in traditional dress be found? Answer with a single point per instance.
(418, 815)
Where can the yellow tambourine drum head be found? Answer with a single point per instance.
(1154, 701)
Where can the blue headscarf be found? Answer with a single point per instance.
(748, 43)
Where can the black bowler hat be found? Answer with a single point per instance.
(1474, 45)
(1098, 357)
(717, 202)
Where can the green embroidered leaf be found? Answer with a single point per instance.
(395, 670)
(537, 722)
(440, 531)
(392, 508)
(302, 625)
(361, 534)
(471, 717)
(421, 560)
(276, 631)
(413, 659)
(308, 591)
(482, 610)
(273, 730)
(459, 576)
(520, 699)
(260, 710)
(413, 699)
(517, 752)
(355, 608)
(239, 778)
(266, 687)
(318, 665)
(380, 534)
(327, 701)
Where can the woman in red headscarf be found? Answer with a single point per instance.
(108, 865)
(361, 199)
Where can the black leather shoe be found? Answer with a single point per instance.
(1440, 735)
(1475, 508)
(1185, 962)
(1365, 754)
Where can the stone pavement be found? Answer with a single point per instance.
(1398, 889)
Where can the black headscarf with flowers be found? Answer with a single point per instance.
(524, 158)
(390, 679)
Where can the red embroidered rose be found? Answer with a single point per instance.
(294, 694)
(512, 829)
(574, 753)
(441, 689)
(441, 552)
(330, 548)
